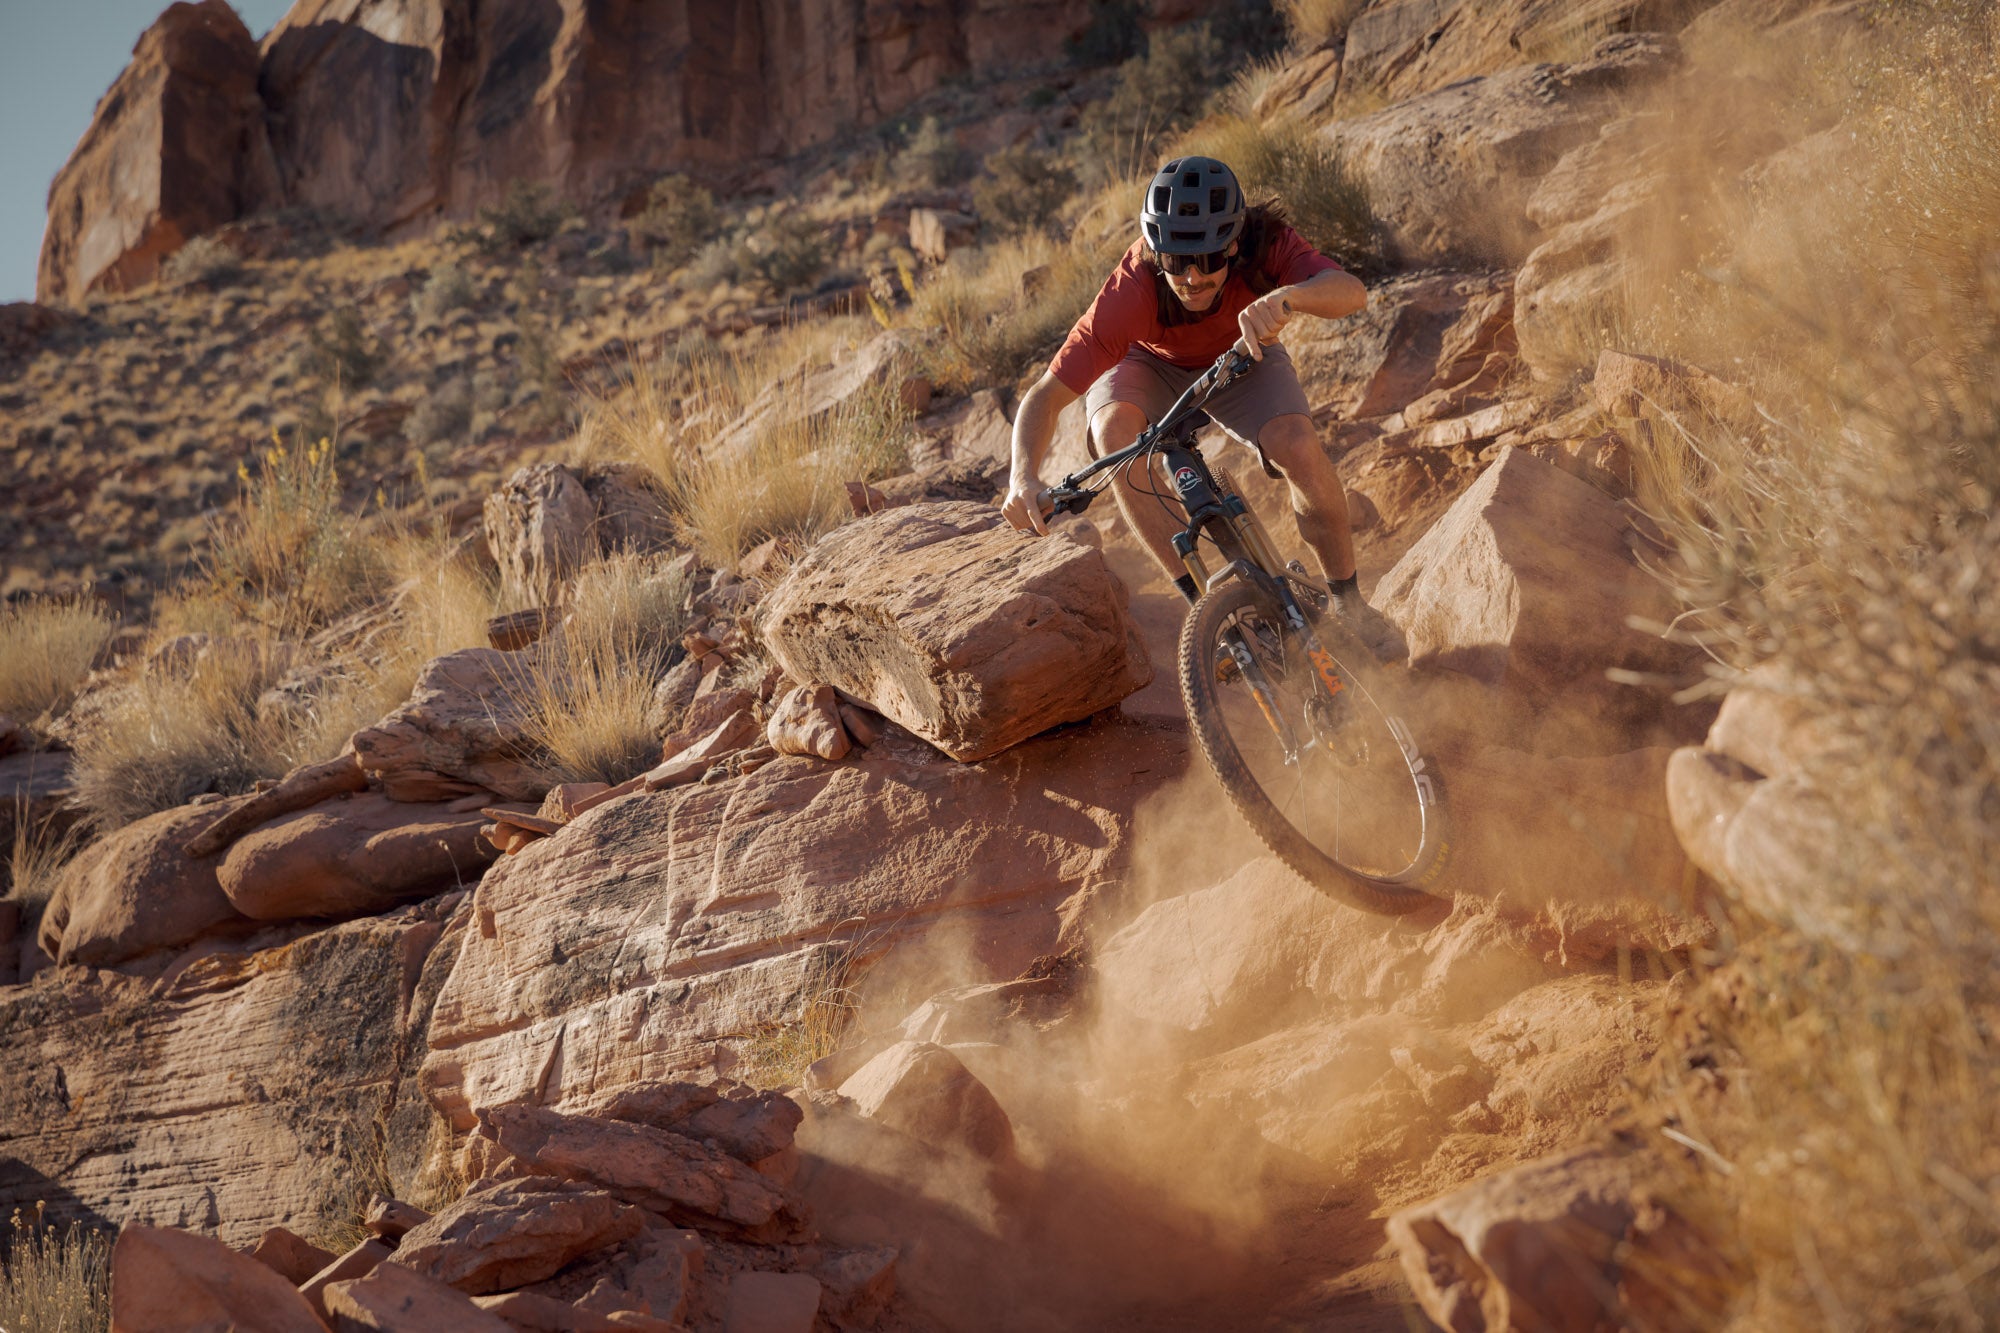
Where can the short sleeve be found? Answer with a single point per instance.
(1121, 315)
(1292, 259)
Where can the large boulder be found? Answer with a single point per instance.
(165, 1281)
(922, 1089)
(395, 1299)
(274, 1073)
(1450, 172)
(1531, 1248)
(351, 855)
(462, 731)
(947, 621)
(664, 930)
(1420, 333)
(1754, 809)
(507, 1233)
(1527, 584)
(548, 520)
(136, 891)
(177, 147)
(658, 1169)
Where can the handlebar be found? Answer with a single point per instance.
(1072, 496)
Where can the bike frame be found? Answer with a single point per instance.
(1220, 514)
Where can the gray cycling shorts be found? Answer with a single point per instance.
(1269, 391)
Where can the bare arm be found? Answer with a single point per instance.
(1034, 427)
(1333, 294)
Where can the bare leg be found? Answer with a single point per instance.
(1115, 426)
(1318, 503)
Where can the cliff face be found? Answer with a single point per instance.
(399, 113)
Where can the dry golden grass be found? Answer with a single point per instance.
(992, 332)
(39, 853)
(46, 648)
(777, 1055)
(1850, 1086)
(291, 558)
(168, 737)
(1317, 23)
(1325, 201)
(589, 689)
(55, 1281)
(787, 481)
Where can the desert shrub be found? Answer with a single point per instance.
(1024, 189)
(991, 330)
(1155, 96)
(715, 266)
(204, 260)
(343, 352)
(527, 213)
(448, 288)
(778, 1054)
(589, 690)
(289, 557)
(931, 160)
(680, 218)
(1846, 1077)
(54, 1280)
(168, 737)
(444, 414)
(1326, 202)
(788, 254)
(46, 650)
(1317, 23)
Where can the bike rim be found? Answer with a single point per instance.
(1351, 785)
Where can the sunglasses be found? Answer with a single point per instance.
(1176, 265)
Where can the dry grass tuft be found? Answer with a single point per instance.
(1850, 1080)
(778, 1054)
(1317, 23)
(166, 738)
(992, 331)
(589, 691)
(46, 649)
(55, 1281)
(1325, 201)
(291, 558)
(39, 853)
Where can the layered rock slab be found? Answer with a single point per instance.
(947, 621)
(661, 929)
(261, 1074)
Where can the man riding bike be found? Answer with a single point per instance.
(1205, 272)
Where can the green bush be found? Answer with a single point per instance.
(680, 218)
(1023, 189)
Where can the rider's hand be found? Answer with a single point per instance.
(1023, 505)
(1262, 321)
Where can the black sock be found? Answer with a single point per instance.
(1185, 584)
(1343, 589)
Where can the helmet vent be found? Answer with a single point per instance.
(1187, 235)
(1218, 199)
(1191, 179)
(1162, 199)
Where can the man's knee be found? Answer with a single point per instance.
(1292, 445)
(1115, 426)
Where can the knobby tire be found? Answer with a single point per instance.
(1202, 694)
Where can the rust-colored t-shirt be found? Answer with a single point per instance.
(1126, 312)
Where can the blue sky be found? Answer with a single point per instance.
(57, 57)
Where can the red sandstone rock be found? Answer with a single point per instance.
(807, 722)
(509, 1233)
(349, 856)
(392, 1219)
(667, 1172)
(459, 733)
(395, 1299)
(358, 1262)
(165, 1281)
(290, 1256)
(749, 1126)
(963, 631)
(923, 1090)
(771, 1303)
(177, 147)
(136, 891)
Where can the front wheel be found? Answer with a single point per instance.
(1331, 780)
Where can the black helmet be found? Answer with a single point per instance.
(1193, 207)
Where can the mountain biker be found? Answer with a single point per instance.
(1206, 271)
